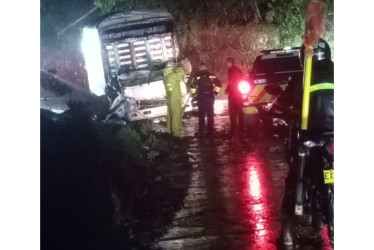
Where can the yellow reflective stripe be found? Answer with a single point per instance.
(255, 92)
(321, 86)
(193, 91)
(169, 87)
(306, 94)
(250, 110)
(266, 98)
(212, 77)
(217, 89)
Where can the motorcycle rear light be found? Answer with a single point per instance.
(244, 87)
(330, 148)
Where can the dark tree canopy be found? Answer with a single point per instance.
(207, 30)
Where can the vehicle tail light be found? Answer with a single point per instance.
(330, 148)
(244, 87)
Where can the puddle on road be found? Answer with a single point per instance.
(259, 202)
(233, 201)
(227, 206)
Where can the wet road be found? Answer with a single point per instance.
(234, 197)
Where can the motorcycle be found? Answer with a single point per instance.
(313, 171)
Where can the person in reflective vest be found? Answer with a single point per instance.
(173, 75)
(205, 86)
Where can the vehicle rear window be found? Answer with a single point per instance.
(279, 64)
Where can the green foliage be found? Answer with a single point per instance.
(208, 11)
(289, 16)
(137, 140)
(328, 32)
(212, 30)
(131, 142)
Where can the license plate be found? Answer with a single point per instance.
(328, 176)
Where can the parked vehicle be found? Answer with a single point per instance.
(274, 67)
(126, 53)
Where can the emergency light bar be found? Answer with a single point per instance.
(286, 49)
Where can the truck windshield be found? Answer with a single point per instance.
(276, 65)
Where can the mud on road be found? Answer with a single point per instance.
(230, 195)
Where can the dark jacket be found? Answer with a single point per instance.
(235, 75)
(321, 110)
(205, 85)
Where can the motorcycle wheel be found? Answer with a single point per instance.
(311, 202)
(331, 214)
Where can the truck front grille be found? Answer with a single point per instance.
(146, 104)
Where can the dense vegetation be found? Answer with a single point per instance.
(208, 31)
(269, 23)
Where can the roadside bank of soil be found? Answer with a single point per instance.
(94, 194)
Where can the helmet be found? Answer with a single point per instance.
(321, 51)
(170, 65)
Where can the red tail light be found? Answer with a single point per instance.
(330, 148)
(244, 87)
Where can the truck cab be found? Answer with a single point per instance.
(275, 66)
(134, 47)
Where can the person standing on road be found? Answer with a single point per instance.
(235, 75)
(205, 86)
(173, 75)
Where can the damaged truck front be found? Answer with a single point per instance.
(127, 60)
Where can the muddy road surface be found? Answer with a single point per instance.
(233, 195)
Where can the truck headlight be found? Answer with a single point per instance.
(131, 104)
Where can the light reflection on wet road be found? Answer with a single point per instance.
(234, 197)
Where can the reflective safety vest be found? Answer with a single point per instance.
(205, 85)
(172, 79)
